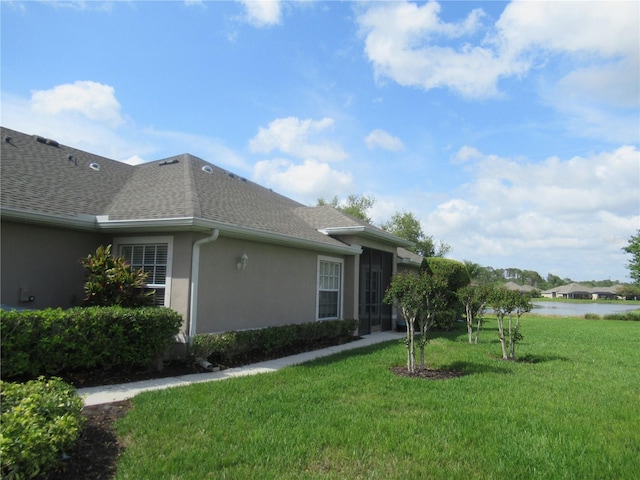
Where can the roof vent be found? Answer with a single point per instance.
(71, 159)
(7, 139)
(46, 141)
(232, 175)
(169, 162)
(94, 166)
(207, 168)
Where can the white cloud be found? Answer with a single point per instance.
(308, 181)
(95, 101)
(412, 45)
(293, 136)
(70, 127)
(465, 154)
(262, 13)
(403, 41)
(604, 28)
(92, 124)
(381, 139)
(558, 211)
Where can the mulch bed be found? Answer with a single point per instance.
(427, 373)
(95, 454)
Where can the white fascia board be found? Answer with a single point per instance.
(235, 231)
(368, 232)
(79, 222)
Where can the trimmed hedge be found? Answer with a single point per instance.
(245, 346)
(41, 419)
(49, 342)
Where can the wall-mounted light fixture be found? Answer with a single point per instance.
(242, 264)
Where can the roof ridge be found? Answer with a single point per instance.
(191, 197)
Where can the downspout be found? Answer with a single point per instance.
(195, 271)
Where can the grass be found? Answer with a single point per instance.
(568, 410)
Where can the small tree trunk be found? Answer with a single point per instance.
(411, 352)
(512, 346)
(478, 329)
(469, 322)
(423, 342)
(503, 344)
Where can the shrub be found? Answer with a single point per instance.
(239, 347)
(112, 281)
(630, 316)
(52, 341)
(592, 316)
(40, 420)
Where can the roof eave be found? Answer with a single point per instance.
(368, 232)
(226, 229)
(102, 223)
(78, 222)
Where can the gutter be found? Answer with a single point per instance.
(195, 271)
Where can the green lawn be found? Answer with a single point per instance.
(571, 410)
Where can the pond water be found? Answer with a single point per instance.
(568, 309)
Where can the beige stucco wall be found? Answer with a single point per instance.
(277, 287)
(46, 261)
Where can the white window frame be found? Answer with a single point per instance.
(151, 240)
(321, 259)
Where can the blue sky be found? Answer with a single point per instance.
(510, 129)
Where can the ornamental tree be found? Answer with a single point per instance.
(419, 297)
(405, 293)
(474, 298)
(506, 303)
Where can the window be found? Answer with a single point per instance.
(329, 288)
(153, 258)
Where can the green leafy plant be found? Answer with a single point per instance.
(53, 341)
(41, 419)
(235, 348)
(112, 281)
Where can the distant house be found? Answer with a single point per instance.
(224, 252)
(579, 291)
(519, 288)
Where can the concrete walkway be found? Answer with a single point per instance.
(115, 393)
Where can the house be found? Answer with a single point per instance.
(224, 252)
(577, 290)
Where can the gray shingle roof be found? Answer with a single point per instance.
(57, 180)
